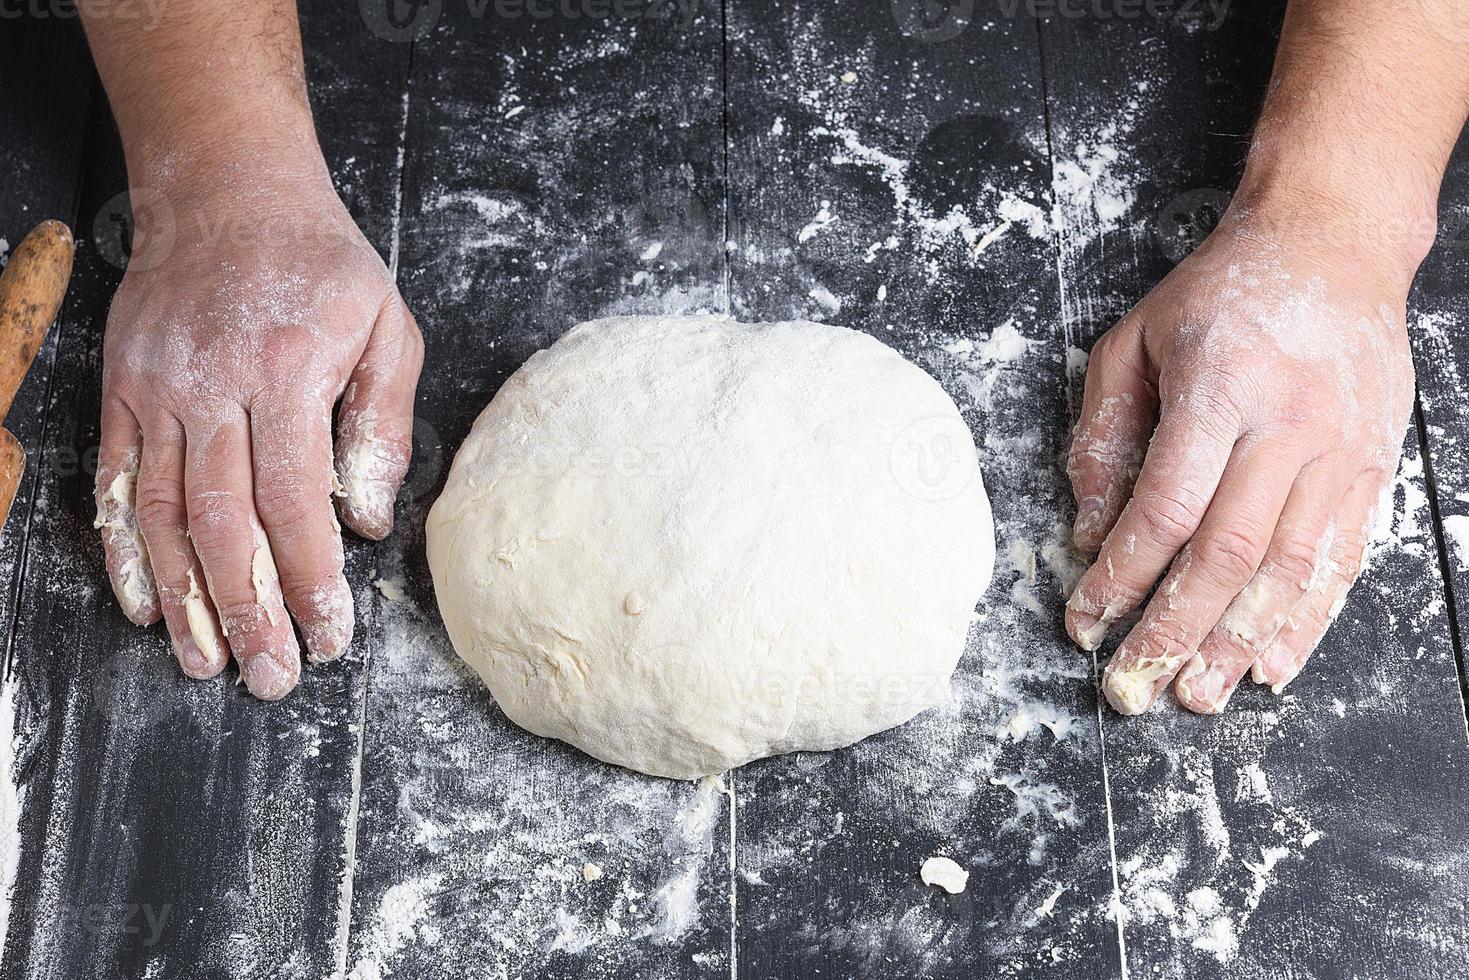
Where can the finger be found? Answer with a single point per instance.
(198, 642)
(1210, 572)
(1184, 464)
(1298, 550)
(238, 566)
(375, 424)
(117, 517)
(293, 494)
(1308, 622)
(1118, 406)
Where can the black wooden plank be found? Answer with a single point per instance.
(1316, 833)
(46, 89)
(1439, 325)
(172, 828)
(896, 166)
(559, 168)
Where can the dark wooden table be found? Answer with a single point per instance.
(987, 193)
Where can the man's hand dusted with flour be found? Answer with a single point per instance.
(1241, 424)
(250, 306)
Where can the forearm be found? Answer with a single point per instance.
(1365, 105)
(205, 86)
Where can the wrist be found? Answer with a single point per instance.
(221, 202)
(1352, 211)
(179, 158)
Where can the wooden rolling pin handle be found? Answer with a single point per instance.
(31, 289)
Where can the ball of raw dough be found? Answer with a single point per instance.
(683, 543)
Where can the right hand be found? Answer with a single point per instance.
(1238, 429)
(228, 342)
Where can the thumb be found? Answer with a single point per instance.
(375, 422)
(1117, 412)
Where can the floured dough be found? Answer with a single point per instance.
(945, 873)
(683, 543)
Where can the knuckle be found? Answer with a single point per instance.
(1083, 466)
(1293, 560)
(1106, 349)
(219, 528)
(1168, 518)
(320, 595)
(316, 585)
(1220, 393)
(242, 618)
(413, 341)
(1231, 554)
(1164, 638)
(158, 501)
(284, 506)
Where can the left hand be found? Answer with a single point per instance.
(224, 354)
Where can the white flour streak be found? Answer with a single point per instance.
(396, 233)
(678, 900)
(394, 925)
(349, 850)
(12, 800)
(931, 233)
(1456, 527)
(824, 217)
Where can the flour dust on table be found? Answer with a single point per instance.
(683, 543)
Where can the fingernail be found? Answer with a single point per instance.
(1275, 668)
(1201, 687)
(327, 640)
(1090, 631)
(367, 467)
(1088, 521)
(1081, 621)
(1088, 628)
(192, 659)
(267, 678)
(329, 634)
(373, 521)
(1130, 689)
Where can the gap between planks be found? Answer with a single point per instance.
(1064, 308)
(1445, 567)
(354, 805)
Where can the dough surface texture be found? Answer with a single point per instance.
(683, 543)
